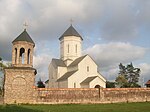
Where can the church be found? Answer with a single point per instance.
(73, 70)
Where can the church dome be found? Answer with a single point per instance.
(70, 32)
(24, 36)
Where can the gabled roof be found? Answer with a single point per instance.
(66, 76)
(88, 80)
(77, 61)
(24, 36)
(46, 81)
(58, 62)
(70, 32)
(148, 82)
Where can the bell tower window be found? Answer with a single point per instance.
(15, 55)
(29, 56)
(22, 52)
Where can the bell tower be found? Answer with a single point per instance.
(22, 51)
(20, 78)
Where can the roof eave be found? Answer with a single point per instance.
(60, 38)
(24, 41)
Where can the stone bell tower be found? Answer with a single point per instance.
(20, 78)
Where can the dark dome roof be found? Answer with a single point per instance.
(24, 36)
(70, 32)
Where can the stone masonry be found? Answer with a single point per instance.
(20, 78)
(19, 85)
(91, 95)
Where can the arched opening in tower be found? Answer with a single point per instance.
(29, 56)
(22, 55)
(15, 55)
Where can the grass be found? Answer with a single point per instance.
(118, 107)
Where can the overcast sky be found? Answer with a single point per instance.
(114, 31)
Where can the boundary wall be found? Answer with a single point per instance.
(91, 95)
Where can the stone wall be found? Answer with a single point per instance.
(103, 95)
(82, 95)
(1, 100)
(18, 87)
(124, 95)
(70, 95)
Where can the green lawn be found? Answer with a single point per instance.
(120, 107)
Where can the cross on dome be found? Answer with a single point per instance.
(25, 25)
(71, 21)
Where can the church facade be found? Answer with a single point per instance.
(73, 70)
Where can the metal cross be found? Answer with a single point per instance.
(25, 25)
(71, 21)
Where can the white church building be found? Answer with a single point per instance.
(73, 70)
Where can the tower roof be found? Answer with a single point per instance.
(24, 36)
(70, 32)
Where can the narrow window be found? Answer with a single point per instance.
(68, 48)
(76, 48)
(87, 68)
(74, 85)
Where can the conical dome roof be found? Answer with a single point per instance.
(70, 32)
(24, 36)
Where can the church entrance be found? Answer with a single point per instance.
(97, 86)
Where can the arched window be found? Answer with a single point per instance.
(29, 56)
(22, 52)
(68, 48)
(15, 55)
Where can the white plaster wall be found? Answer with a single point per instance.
(88, 62)
(97, 81)
(52, 76)
(73, 80)
(102, 77)
(61, 71)
(72, 41)
(82, 73)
